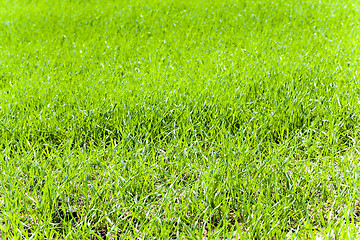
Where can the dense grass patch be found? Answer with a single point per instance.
(208, 119)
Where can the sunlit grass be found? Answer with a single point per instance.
(209, 119)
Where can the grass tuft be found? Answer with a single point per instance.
(179, 120)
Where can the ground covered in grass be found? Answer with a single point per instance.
(176, 119)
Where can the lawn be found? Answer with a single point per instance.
(179, 119)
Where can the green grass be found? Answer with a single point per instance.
(201, 120)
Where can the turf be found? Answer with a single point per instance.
(179, 120)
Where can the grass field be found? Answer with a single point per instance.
(179, 120)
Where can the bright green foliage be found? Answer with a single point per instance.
(179, 119)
